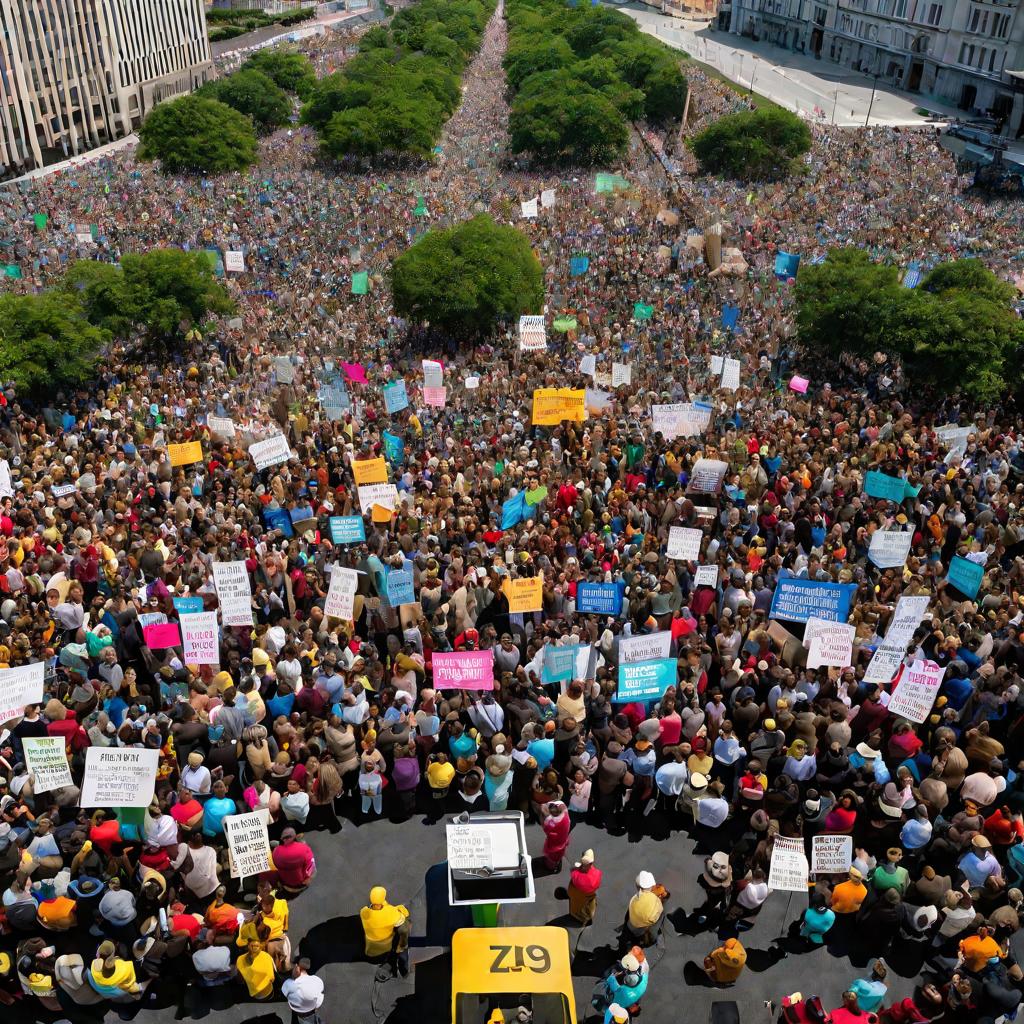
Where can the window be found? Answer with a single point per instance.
(975, 16)
(934, 14)
(900, 10)
(963, 53)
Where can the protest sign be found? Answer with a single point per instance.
(797, 600)
(642, 311)
(360, 283)
(283, 370)
(832, 646)
(578, 265)
(62, 490)
(681, 419)
(400, 588)
(347, 529)
(717, 362)
(889, 548)
(271, 452)
(187, 605)
(622, 373)
(471, 383)
(881, 485)
(648, 647)
(730, 374)
(200, 639)
(706, 576)
(435, 397)
(596, 402)
(463, 670)
(559, 663)
(536, 496)
(355, 372)
(433, 373)
(532, 334)
(684, 543)
(645, 680)
(248, 843)
(816, 627)
(513, 510)
(46, 758)
(966, 576)
(162, 635)
(599, 598)
(119, 777)
(234, 261)
(707, 475)
(788, 870)
(786, 265)
(524, 595)
(151, 619)
(185, 454)
(370, 471)
(889, 655)
(954, 438)
(223, 426)
(799, 384)
(341, 594)
(831, 855)
(234, 593)
(529, 208)
(547, 198)
(20, 686)
(916, 691)
(552, 405)
(382, 495)
(396, 398)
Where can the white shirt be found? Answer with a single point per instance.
(304, 993)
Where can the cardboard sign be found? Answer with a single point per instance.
(185, 454)
(20, 686)
(832, 646)
(271, 452)
(645, 680)
(889, 655)
(552, 405)
(46, 758)
(347, 529)
(373, 496)
(119, 777)
(788, 871)
(234, 593)
(341, 595)
(463, 670)
(525, 595)
(651, 647)
(916, 691)
(370, 471)
(160, 636)
(223, 426)
(248, 843)
(200, 639)
(831, 855)
(684, 543)
(706, 576)
(889, 548)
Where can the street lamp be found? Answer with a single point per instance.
(874, 86)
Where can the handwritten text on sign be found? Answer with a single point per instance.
(20, 686)
(119, 778)
(248, 843)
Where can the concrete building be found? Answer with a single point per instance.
(75, 74)
(263, 6)
(967, 53)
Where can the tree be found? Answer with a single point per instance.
(195, 134)
(465, 278)
(166, 291)
(664, 92)
(99, 289)
(753, 145)
(252, 93)
(534, 55)
(46, 342)
(289, 70)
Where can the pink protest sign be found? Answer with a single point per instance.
(435, 396)
(354, 372)
(464, 670)
(162, 635)
(799, 384)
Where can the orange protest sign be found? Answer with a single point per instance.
(185, 454)
(370, 471)
(552, 405)
(525, 595)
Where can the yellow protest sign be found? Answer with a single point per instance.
(525, 595)
(185, 454)
(380, 514)
(370, 471)
(552, 405)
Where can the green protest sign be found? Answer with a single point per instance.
(40, 219)
(642, 311)
(13, 270)
(360, 283)
(564, 323)
(609, 183)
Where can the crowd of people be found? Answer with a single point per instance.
(315, 719)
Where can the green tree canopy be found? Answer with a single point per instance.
(46, 342)
(254, 94)
(465, 278)
(752, 145)
(289, 70)
(530, 56)
(99, 289)
(196, 134)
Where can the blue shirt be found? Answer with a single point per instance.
(542, 751)
(915, 834)
(816, 923)
(215, 810)
(280, 705)
(977, 869)
(869, 994)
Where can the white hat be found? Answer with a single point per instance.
(630, 962)
(645, 880)
(698, 781)
(618, 1014)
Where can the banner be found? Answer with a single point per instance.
(160, 636)
(831, 855)
(463, 670)
(248, 843)
(396, 398)
(966, 576)
(20, 686)
(552, 405)
(684, 543)
(234, 593)
(648, 647)
(185, 454)
(524, 595)
(46, 758)
(788, 870)
(119, 777)
(797, 600)
(916, 691)
(559, 663)
(400, 588)
(889, 548)
(347, 529)
(532, 334)
(383, 495)
(370, 471)
(341, 594)
(881, 485)
(682, 419)
(271, 452)
(200, 639)
(645, 680)
(599, 599)
(888, 656)
(706, 576)
(513, 511)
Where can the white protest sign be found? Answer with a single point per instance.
(341, 595)
(248, 843)
(730, 374)
(200, 639)
(20, 686)
(832, 647)
(234, 593)
(916, 691)
(234, 261)
(547, 198)
(530, 207)
(788, 871)
(6, 487)
(889, 548)
(47, 760)
(684, 543)
(644, 648)
(62, 490)
(954, 437)
(472, 383)
(532, 334)
(222, 425)
(588, 365)
(433, 374)
(622, 373)
(119, 777)
(716, 364)
(284, 370)
(681, 419)
(706, 576)
(707, 476)
(831, 855)
(888, 656)
(385, 495)
(271, 452)
(469, 847)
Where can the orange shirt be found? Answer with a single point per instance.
(848, 896)
(977, 951)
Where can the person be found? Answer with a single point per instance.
(627, 982)
(113, 977)
(386, 930)
(556, 825)
(725, 963)
(293, 860)
(645, 913)
(584, 882)
(304, 992)
(871, 991)
(256, 969)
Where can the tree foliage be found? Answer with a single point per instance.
(957, 332)
(197, 134)
(288, 70)
(464, 278)
(752, 145)
(254, 94)
(99, 290)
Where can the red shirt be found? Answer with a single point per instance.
(186, 923)
(586, 880)
(105, 834)
(186, 812)
(294, 863)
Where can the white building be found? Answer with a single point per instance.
(75, 74)
(966, 53)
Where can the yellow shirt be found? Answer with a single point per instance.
(440, 775)
(379, 927)
(258, 973)
(645, 909)
(123, 975)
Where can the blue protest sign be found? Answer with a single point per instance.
(579, 265)
(187, 605)
(881, 485)
(347, 529)
(559, 663)
(278, 519)
(912, 278)
(394, 447)
(599, 598)
(966, 576)
(334, 400)
(730, 316)
(645, 680)
(786, 264)
(395, 397)
(799, 600)
(400, 590)
(513, 511)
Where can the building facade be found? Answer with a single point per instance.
(75, 74)
(966, 53)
